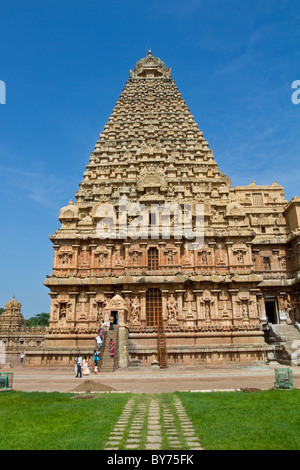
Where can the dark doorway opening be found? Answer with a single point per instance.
(115, 317)
(271, 311)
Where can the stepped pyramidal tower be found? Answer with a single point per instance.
(181, 303)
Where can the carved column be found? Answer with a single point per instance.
(126, 248)
(92, 248)
(212, 246)
(198, 294)
(234, 302)
(180, 293)
(143, 306)
(164, 305)
(109, 249)
(56, 248)
(229, 254)
(76, 250)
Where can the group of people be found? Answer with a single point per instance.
(82, 365)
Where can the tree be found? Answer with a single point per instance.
(40, 319)
(1, 310)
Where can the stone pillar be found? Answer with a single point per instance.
(76, 249)
(234, 301)
(92, 248)
(164, 305)
(180, 303)
(56, 248)
(143, 306)
(229, 254)
(73, 297)
(281, 301)
(92, 314)
(109, 261)
(123, 347)
(126, 257)
(198, 293)
(212, 246)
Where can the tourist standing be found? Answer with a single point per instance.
(85, 366)
(79, 366)
(22, 357)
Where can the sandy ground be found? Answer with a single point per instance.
(149, 380)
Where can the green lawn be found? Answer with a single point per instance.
(54, 421)
(261, 420)
(266, 420)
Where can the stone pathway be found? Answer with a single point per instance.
(153, 425)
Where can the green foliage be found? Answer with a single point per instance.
(40, 319)
(1, 310)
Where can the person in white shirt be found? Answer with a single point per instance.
(79, 365)
(99, 342)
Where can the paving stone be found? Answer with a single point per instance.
(153, 439)
(153, 446)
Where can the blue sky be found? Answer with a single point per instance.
(65, 64)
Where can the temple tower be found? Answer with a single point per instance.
(208, 296)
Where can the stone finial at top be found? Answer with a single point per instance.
(150, 67)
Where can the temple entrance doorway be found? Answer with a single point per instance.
(115, 316)
(271, 311)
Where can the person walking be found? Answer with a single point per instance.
(99, 342)
(22, 357)
(96, 361)
(112, 348)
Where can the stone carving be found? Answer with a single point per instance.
(100, 311)
(172, 307)
(135, 310)
(207, 310)
(244, 310)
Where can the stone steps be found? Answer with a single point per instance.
(108, 361)
(290, 332)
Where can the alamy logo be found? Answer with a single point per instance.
(296, 95)
(136, 221)
(2, 92)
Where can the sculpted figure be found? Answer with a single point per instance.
(207, 310)
(135, 310)
(172, 306)
(244, 310)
